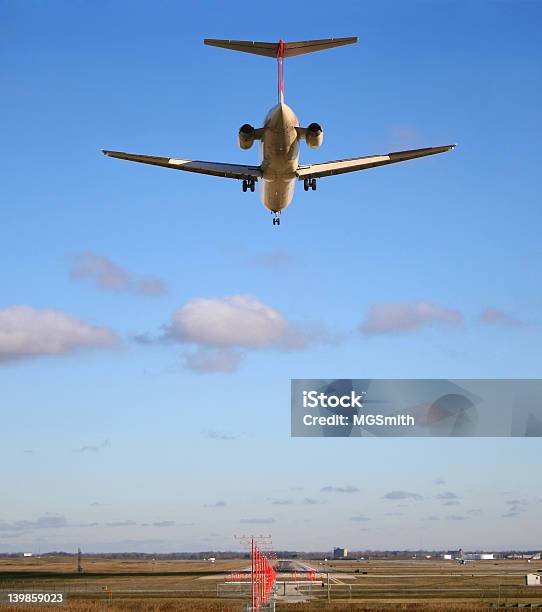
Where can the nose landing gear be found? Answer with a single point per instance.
(249, 184)
(309, 183)
(276, 218)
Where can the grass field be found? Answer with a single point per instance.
(380, 585)
(190, 606)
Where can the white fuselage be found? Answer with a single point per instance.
(280, 157)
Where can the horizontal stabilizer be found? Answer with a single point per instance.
(290, 49)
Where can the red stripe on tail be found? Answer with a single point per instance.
(280, 59)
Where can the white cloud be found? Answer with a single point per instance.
(232, 321)
(48, 521)
(221, 435)
(150, 286)
(94, 448)
(27, 332)
(213, 360)
(222, 329)
(447, 495)
(275, 258)
(108, 275)
(403, 495)
(403, 137)
(345, 489)
(394, 317)
(492, 316)
(360, 518)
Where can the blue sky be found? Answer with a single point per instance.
(107, 435)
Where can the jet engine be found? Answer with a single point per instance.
(314, 135)
(246, 136)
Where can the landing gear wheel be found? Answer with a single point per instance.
(276, 218)
(252, 185)
(245, 185)
(313, 184)
(306, 184)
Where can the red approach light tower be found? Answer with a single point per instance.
(263, 577)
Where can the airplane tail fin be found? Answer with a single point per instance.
(280, 50)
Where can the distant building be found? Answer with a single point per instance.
(478, 556)
(453, 554)
(528, 556)
(28, 554)
(533, 580)
(340, 553)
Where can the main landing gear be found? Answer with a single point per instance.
(249, 184)
(309, 183)
(276, 218)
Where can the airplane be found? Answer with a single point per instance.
(279, 138)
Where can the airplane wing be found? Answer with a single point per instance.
(202, 167)
(340, 166)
